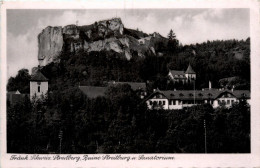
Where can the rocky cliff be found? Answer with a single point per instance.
(107, 35)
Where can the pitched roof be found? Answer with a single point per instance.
(189, 94)
(241, 93)
(15, 98)
(93, 91)
(200, 94)
(38, 76)
(14, 92)
(174, 72)
(134, 85)
(190, 70)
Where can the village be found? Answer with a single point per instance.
(159, 99)
(102, 87)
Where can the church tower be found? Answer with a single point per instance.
(190, 73)
(38, 85)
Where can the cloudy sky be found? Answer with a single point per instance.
(190, 26)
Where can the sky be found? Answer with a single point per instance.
(190, 26)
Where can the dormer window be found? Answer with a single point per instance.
(209, 94)
(181, 94)
(190, 94)
(200, 94)
(172, 94)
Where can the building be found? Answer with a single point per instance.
(93, 91)
(14, 97)
(178, 99)
(138, 87)
(182, 76)
(38, 85)
(96, 91)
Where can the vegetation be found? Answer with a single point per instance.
(120, 122)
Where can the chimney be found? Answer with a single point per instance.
(209, 85)
(232, 88)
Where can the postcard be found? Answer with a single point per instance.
(130, 84)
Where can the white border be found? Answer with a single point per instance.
(181, 160)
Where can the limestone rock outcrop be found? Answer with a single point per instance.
(109, 35)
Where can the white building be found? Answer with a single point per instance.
(38, 85)
(182, 76)
(178, 99)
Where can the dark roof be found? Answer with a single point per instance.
(241, 93)
(14, 92)
(190, 70)
(189, 94)
(15, 98)
(93, 91)
(174, 72)
(38, 76)
(134, 85)
(200, 94)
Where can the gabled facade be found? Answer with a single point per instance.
(38, 85)
(182, 76)
(186, 98)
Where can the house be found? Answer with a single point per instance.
(38, 85)
(182, 76)
(93, 91)
(14, 97)
(138, 87)
(96, 91)
(178, 99)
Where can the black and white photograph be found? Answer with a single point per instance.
(128, 81)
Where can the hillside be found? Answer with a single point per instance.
(120, 122)
(213, 61)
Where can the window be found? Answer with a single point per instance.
(163, 102)
(232, 101)
(228, 101)
(160, 103)
(39, 89)
(174, 102)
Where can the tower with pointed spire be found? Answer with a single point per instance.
(190, 73)
(183, 76)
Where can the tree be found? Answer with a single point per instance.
(20, 82)
(173, 42)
